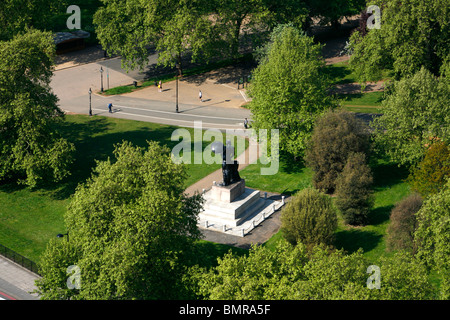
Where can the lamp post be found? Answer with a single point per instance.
(177, 65)
(90, 102)
(61, 235)
(101, 73)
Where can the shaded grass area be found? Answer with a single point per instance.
(341, 73)
(368, 102)
(292, 176)
(372, 99)
(30, 217)
(208, 252)
(389, 188)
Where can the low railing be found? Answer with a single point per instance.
(257, 220)
(19, 259)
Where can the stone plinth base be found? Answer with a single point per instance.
(229, 193)
(231, 213)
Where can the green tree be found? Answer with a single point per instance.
(415, 112)
(309, 218)
(335, 136)
(174, 27)
(289, 90)
(354, 196)
(31, 149)
(403, 277)
(236, 19)
(432, 236)
(332, 11)
(403, 224)
(55, 261)
(413, 34)
(288, 11)
(292, 273)
(18, 15)
(432, 173)
(263, 274)
(132, 226)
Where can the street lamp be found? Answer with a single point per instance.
(101, 73)
(177, 65)
(61, 235)
(90, 102)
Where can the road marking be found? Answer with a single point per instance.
(6, 296)
(145, 116)
(168, 112)
(244, 96)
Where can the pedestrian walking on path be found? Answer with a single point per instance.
(110, 107)
(160, 86)
(200, 96)
(246, 123)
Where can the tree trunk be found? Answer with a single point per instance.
(237, 32)
(179, 66)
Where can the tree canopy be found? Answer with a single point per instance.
(30, 147)
(288, 88)
(17, 15)
(432, 236)
(336, 135)
(290, 273)
(130, 228)
(416, 113)
(413, 34)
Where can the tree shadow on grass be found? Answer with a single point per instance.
(205, 253)
(379, 215)
(336, 73)
(386, 174)
(93, 144)
(352, 239)
(290, 165)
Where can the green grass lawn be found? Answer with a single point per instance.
(389, 188)
(30, 217)
(292, 176)
(368, 102)
(340, 73)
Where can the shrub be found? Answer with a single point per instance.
(431, 174)
(432, 236)
(335, 136)
(309, 218)
(353, 190)
(400, 232)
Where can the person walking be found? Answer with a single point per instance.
(160, 86)
(200, 95)
(246, 123)
(110, 107)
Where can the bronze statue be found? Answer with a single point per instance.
(230, 168)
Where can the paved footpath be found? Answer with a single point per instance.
(16, 282)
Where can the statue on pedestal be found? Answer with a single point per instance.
(230, 168)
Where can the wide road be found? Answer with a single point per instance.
(218, 110)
